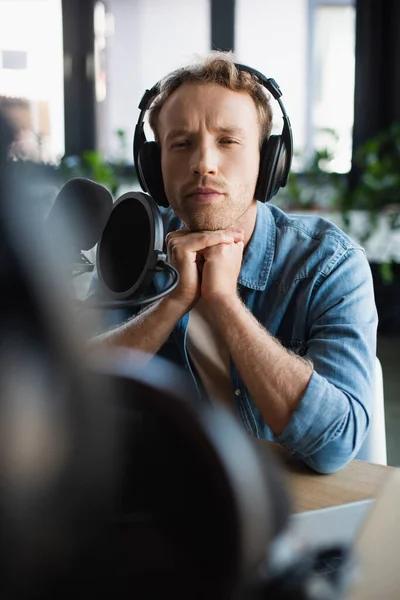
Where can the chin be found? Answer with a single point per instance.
(212, 217)
(207, 224)
(200, 221)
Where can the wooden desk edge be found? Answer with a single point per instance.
(359, 480)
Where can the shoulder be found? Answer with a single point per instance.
(309, 245)
(312, 228)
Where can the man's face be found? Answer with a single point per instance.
(210, 154)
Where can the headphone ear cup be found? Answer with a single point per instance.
(271, 175)
(149, 164)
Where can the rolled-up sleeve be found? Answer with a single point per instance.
(331, 421)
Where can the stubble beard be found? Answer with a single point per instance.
(212, 217)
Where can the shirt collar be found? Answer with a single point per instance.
(260, 250)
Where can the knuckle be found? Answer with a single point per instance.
(175, 249)
(224, 236)
(203, 237)
(179, 233)
(172, 241)
(172, 235)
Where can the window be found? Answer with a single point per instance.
(332, 73)
(151, 38)
(308, 46)
(31, 75)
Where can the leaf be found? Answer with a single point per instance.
(386, 272)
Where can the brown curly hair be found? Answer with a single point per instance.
(217, 67)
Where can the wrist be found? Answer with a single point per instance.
(220, 301)
(175, 307)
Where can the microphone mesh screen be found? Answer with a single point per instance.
(125, 245)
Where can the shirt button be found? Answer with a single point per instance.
(237, 392)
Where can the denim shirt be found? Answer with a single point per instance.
(310, 286)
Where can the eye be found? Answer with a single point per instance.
(228, 141)
(180, 144)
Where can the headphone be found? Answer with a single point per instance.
(275, 155)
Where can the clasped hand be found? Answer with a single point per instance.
(208, 263)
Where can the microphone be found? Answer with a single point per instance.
(129, 234)
(80, 212)
(130, 252)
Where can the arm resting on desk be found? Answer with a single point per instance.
(332, 419)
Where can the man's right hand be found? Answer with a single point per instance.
(184, 248)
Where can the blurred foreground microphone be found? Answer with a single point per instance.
(130, 252)
(57, 459)
(78, 216)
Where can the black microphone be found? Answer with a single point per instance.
(80, 213)
(130, 252)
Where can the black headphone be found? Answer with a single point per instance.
(275, 155)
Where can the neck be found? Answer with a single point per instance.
(247, 222)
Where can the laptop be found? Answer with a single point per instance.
(333, 526)
(369, 531)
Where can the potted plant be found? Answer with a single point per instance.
(314, 186)
(377, 193)
(91, 164)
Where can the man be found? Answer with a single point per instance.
(273, 314)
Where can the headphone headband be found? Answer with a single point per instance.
(275, 156)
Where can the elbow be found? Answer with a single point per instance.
(333, 456)
(327, 464)
(336, 453)
(327, 449)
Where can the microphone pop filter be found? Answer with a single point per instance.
(130, 245)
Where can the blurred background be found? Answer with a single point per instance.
(72, 73)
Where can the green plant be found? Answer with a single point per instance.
(379, 162)
(92, 164)
(315, 186)
(378, 187)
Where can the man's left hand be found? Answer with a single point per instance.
(220, 272)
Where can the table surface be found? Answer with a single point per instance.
(359, 480)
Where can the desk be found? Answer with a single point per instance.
(310, 490)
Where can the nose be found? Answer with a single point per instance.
(204, 159)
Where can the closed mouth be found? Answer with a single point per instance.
(205, 192)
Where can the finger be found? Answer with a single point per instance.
(200, 261)
(236, 248)
(178, 233)
(195, 242)
(236, 233)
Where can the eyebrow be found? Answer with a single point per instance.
(176, 132)
(233, 129)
